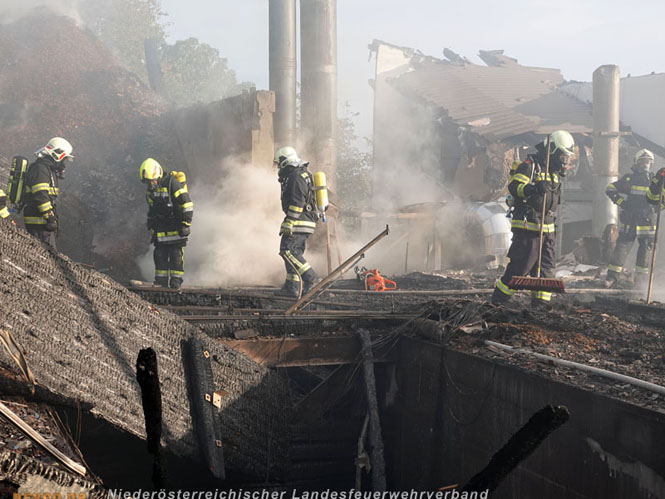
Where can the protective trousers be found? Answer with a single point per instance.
(45, 236)
(624, 244)
(169, 262)
(523, 254)
(293, 248)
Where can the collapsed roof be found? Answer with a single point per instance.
(498, 101)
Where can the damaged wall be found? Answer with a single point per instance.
(464, 409)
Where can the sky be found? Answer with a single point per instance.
(575, 36)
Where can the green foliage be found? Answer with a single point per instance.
(192, 71)
(123, 25)
(195, 72)
(354, 166)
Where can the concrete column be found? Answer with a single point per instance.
(318, 86)
(606, 104)
(282, 68)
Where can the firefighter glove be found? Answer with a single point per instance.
(51, 222)
(543, 186)
(184, 231)
(287, 228)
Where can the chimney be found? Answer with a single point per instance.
(318, 90)
(282, 69)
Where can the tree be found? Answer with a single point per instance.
(123, 25)
(195, 72)
(354, 167)
(192, 71)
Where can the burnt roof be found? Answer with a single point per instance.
(495, 101)
(82, 332)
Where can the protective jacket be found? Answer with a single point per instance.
(528, 206)
(41, 187)
(4, 211)
(170, 209)
(299, 198)
(630, 194)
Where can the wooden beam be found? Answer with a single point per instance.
(304, 351)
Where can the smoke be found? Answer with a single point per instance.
(11, 10)
(234, 239)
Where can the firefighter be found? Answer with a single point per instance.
(170, 212)
(637, 218)
(4, 211)
(41, 187)
(301, 215)
(527, 185)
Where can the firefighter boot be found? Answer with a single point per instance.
(290, 289)
(641, 282)
(162, 281)
(310, 279)
(175, 283)
(499, 297)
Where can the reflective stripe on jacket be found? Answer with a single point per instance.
(630, 194)
(41, 188)
(169, 208)
(527, 212)
(298, 199)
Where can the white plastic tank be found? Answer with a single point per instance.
(488, 227)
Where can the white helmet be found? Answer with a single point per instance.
(58, 148)
(643, 158)
(286, 156)
(561, 141)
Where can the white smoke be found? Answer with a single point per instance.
(11, 10)
(234, 239)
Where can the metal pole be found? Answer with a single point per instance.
(318, 85)
(655, 238)
(606, 107)
(282, 68)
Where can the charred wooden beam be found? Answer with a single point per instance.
(315, 351)
(519, 447)
(324, 396)
(375, 438)
(147, 376)
(198, 372)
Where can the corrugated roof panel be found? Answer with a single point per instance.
(507, 100)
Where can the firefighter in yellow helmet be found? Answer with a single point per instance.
(41, 184)
(301, 215)
(170, 212)
(528, 184)
(637, 218)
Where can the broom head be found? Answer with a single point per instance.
(537, 284)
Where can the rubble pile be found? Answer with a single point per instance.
(59, 80)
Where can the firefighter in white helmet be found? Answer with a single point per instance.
(299, 206)
(527, 185)
(637, 220)
(41, 181)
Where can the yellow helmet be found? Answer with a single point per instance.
(150, 170)
(286, 156)
(58, 148)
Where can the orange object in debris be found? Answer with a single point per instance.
(374, 281)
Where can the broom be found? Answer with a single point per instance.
(655, 240)
(538, 283)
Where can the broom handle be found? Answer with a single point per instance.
(655, 238)
(542, 214)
